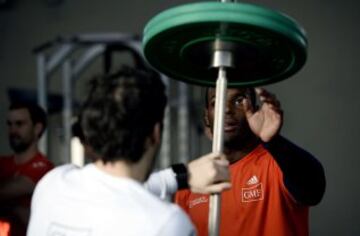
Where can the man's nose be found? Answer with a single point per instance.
(12, 129)
(228, 107)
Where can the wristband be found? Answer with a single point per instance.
(181, 175)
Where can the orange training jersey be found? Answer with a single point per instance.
(34, 169)
(258, 203)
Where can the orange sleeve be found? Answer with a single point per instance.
(4, 228)
(181, 199)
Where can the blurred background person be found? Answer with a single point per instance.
(20, 171)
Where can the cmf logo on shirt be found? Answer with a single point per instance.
(254, 192)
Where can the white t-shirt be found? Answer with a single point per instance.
(71, 201)
(162, 184)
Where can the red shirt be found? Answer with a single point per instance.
(257, 204)
(34, 169)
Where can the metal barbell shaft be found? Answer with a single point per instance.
(221, 60)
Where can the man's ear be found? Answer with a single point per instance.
(206, 118)
(38, 127)
(208, 133)
(207, 128)
(157, 131)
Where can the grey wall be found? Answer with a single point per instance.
(321, 102)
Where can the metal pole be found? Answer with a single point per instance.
(42, 98)
(58, 57)
(183, 122)
(44, 69)
(67, 110)
(165, 151)
(221, 60)
(86, 59)
(215, 199)
(106, 38)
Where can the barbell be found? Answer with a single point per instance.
(224, 44)
(267, 46)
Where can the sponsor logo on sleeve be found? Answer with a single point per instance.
(38, 164)
(198, 201)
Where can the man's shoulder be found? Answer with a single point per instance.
(259, 156)
(146, 202)
(50, 179)
(40, 160)
(6, 158)
(59, 171)
(35, 168)
(182, 195)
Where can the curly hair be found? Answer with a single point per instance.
(121, 111)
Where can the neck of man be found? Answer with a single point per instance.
(138, 171)
(235, 152)
(27, 155)
(120, 168)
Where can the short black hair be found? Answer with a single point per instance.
(121, 112)
(37, 114)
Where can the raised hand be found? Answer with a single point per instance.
(266, 121)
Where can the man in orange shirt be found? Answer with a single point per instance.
(20, 172)
(273, 181)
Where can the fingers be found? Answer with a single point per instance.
(217, 188)
(221, 171)
(223, 162)
(248, 108)
(216, 156)
(218, 167)
(209, 174)
(268, 98)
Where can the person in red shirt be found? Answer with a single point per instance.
(273, 181)
(20, 171)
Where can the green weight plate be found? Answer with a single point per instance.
(267, 45)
